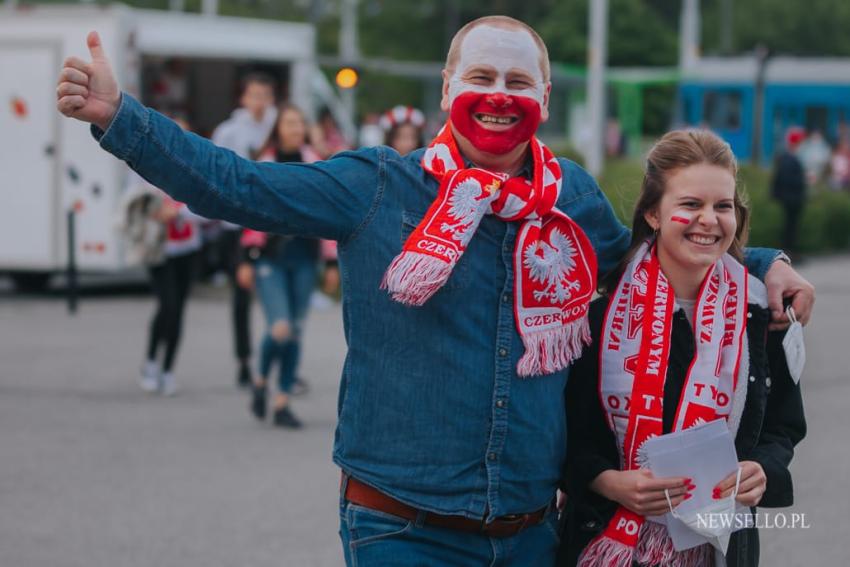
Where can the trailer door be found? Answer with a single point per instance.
(28, 177)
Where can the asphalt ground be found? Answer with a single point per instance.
(93, 472)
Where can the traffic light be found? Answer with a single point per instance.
(347, 77)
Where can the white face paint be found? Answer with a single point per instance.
(507, 52)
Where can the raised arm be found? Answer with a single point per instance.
(327, 199)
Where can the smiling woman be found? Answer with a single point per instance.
(695, 222)
(682, 327)
(685, 172)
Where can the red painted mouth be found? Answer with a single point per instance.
(495, 123)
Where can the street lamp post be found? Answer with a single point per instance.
(349, 52)
(762, 57)
(597, 55)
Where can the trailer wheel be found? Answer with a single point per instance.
(31, 281)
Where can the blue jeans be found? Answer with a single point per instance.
(376, 539)
(284, 291)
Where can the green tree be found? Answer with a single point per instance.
(812, 28)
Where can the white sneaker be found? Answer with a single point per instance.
(150, 377)
(169, 384)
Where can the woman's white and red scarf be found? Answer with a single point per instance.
(633, 359)
(553, 259)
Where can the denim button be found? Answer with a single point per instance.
(767, 381)
(491, 456)
(503, 352)
(752, 378)
(500, 403)
(749, 314)
(506, 298)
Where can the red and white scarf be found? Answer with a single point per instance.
(554, 261)
(633, 359)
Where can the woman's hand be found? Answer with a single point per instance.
(640, 492)
(752, 486)
(245, 276)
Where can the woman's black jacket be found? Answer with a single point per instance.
(771, 425)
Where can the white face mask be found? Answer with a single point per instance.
(502, 50)
(715, 521)
(794, 347)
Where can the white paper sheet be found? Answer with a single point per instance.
(705, 454)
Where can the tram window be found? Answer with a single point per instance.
(722, 109)
(817, 118)
(687, 110)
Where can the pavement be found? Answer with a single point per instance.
(93, 472)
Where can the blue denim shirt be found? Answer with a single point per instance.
(431, 410)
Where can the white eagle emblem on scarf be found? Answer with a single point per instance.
(553, 267)
(465, 206)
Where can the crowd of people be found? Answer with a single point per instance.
(805, 161)
(481, 376)
(281, 271)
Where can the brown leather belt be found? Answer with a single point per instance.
(504, 526)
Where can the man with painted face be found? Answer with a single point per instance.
(467, 268)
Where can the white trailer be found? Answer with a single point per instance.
(49, 165)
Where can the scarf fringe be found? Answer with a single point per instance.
(413, 278)
(655, 547)
(606, 552)
(553, 349)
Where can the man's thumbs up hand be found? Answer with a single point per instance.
(88, 91)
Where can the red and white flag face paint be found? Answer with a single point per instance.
(497, 91)
(682, 217)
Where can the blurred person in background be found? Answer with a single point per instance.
(283, 271)
(371, 133)
(170, 89)
(244, 132)
(839, 166)
(615, 139)
(326, 137)
(171, 268)
(814, 152)
(404, 127)
(788, 186)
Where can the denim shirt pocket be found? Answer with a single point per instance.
(459, 278)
